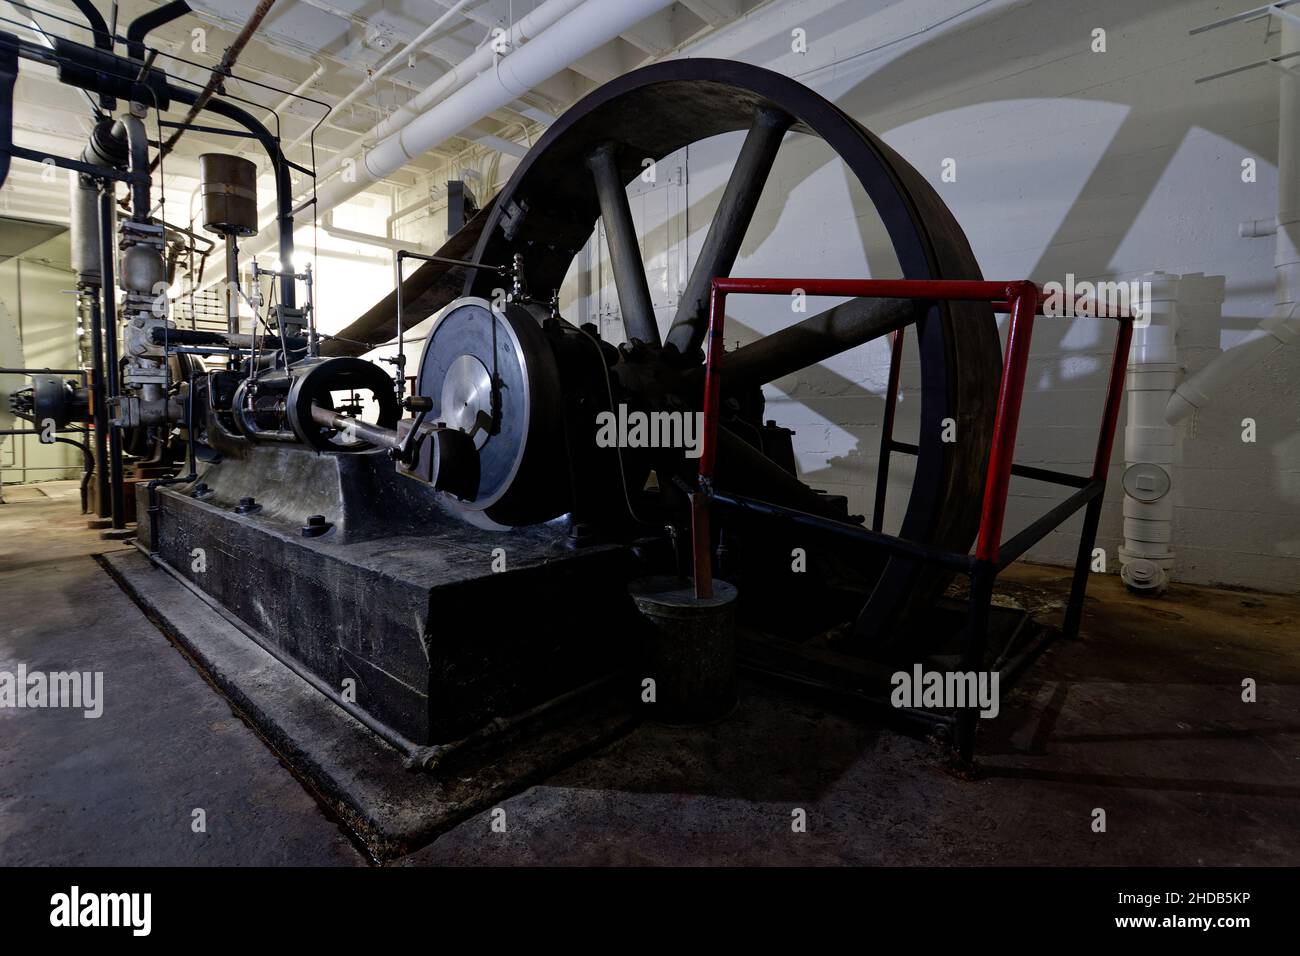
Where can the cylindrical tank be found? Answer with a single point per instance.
(84, 230)
(229, 194)
(103, 149)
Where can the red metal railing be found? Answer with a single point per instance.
(1022, 299)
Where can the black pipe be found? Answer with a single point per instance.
(102, 71)
(161, 336)
(103, 39)
(142, 25)
(109, 319)
(131, 129)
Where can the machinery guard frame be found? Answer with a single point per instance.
(1023, 301)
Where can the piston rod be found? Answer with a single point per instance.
(363, 431)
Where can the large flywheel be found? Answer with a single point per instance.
(577, 173)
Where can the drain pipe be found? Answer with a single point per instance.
(1282, 328)
(1150, 443)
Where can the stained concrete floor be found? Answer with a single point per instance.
(1143, 718)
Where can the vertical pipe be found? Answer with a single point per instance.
(99, 409)
(712, 383)
(1023, 297)
(624, 248)
(231, 296)
(401, 333)
(109, 319)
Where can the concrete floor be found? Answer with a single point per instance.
(1143, 718)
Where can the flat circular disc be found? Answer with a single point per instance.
(467, 398)
(490, 373)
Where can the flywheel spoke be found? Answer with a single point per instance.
(730, 222)
(624, 249)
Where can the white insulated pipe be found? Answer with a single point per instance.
(1150, 443)
(399, 57)
(571, 37)
(578, 28)
(1282, 328)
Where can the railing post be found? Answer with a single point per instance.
(1023, 300)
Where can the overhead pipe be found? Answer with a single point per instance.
(558, 32)
(130, 129)
(365, 238)
(98, 26)
(218, 76)
(399, 57)
(570, 38)
(146, 23)
(527, 28)
(1282, 328)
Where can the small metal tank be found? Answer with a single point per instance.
(229, 194)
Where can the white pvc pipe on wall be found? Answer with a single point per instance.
(1150, 443)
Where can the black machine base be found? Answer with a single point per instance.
(420, 624)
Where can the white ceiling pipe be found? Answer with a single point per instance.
(573, 36)
(399, 57)
(481, 59)
(1282, 328)
(569, 39)
(525, 29)
(528, 28)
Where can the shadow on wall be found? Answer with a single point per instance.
(1224, 535)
